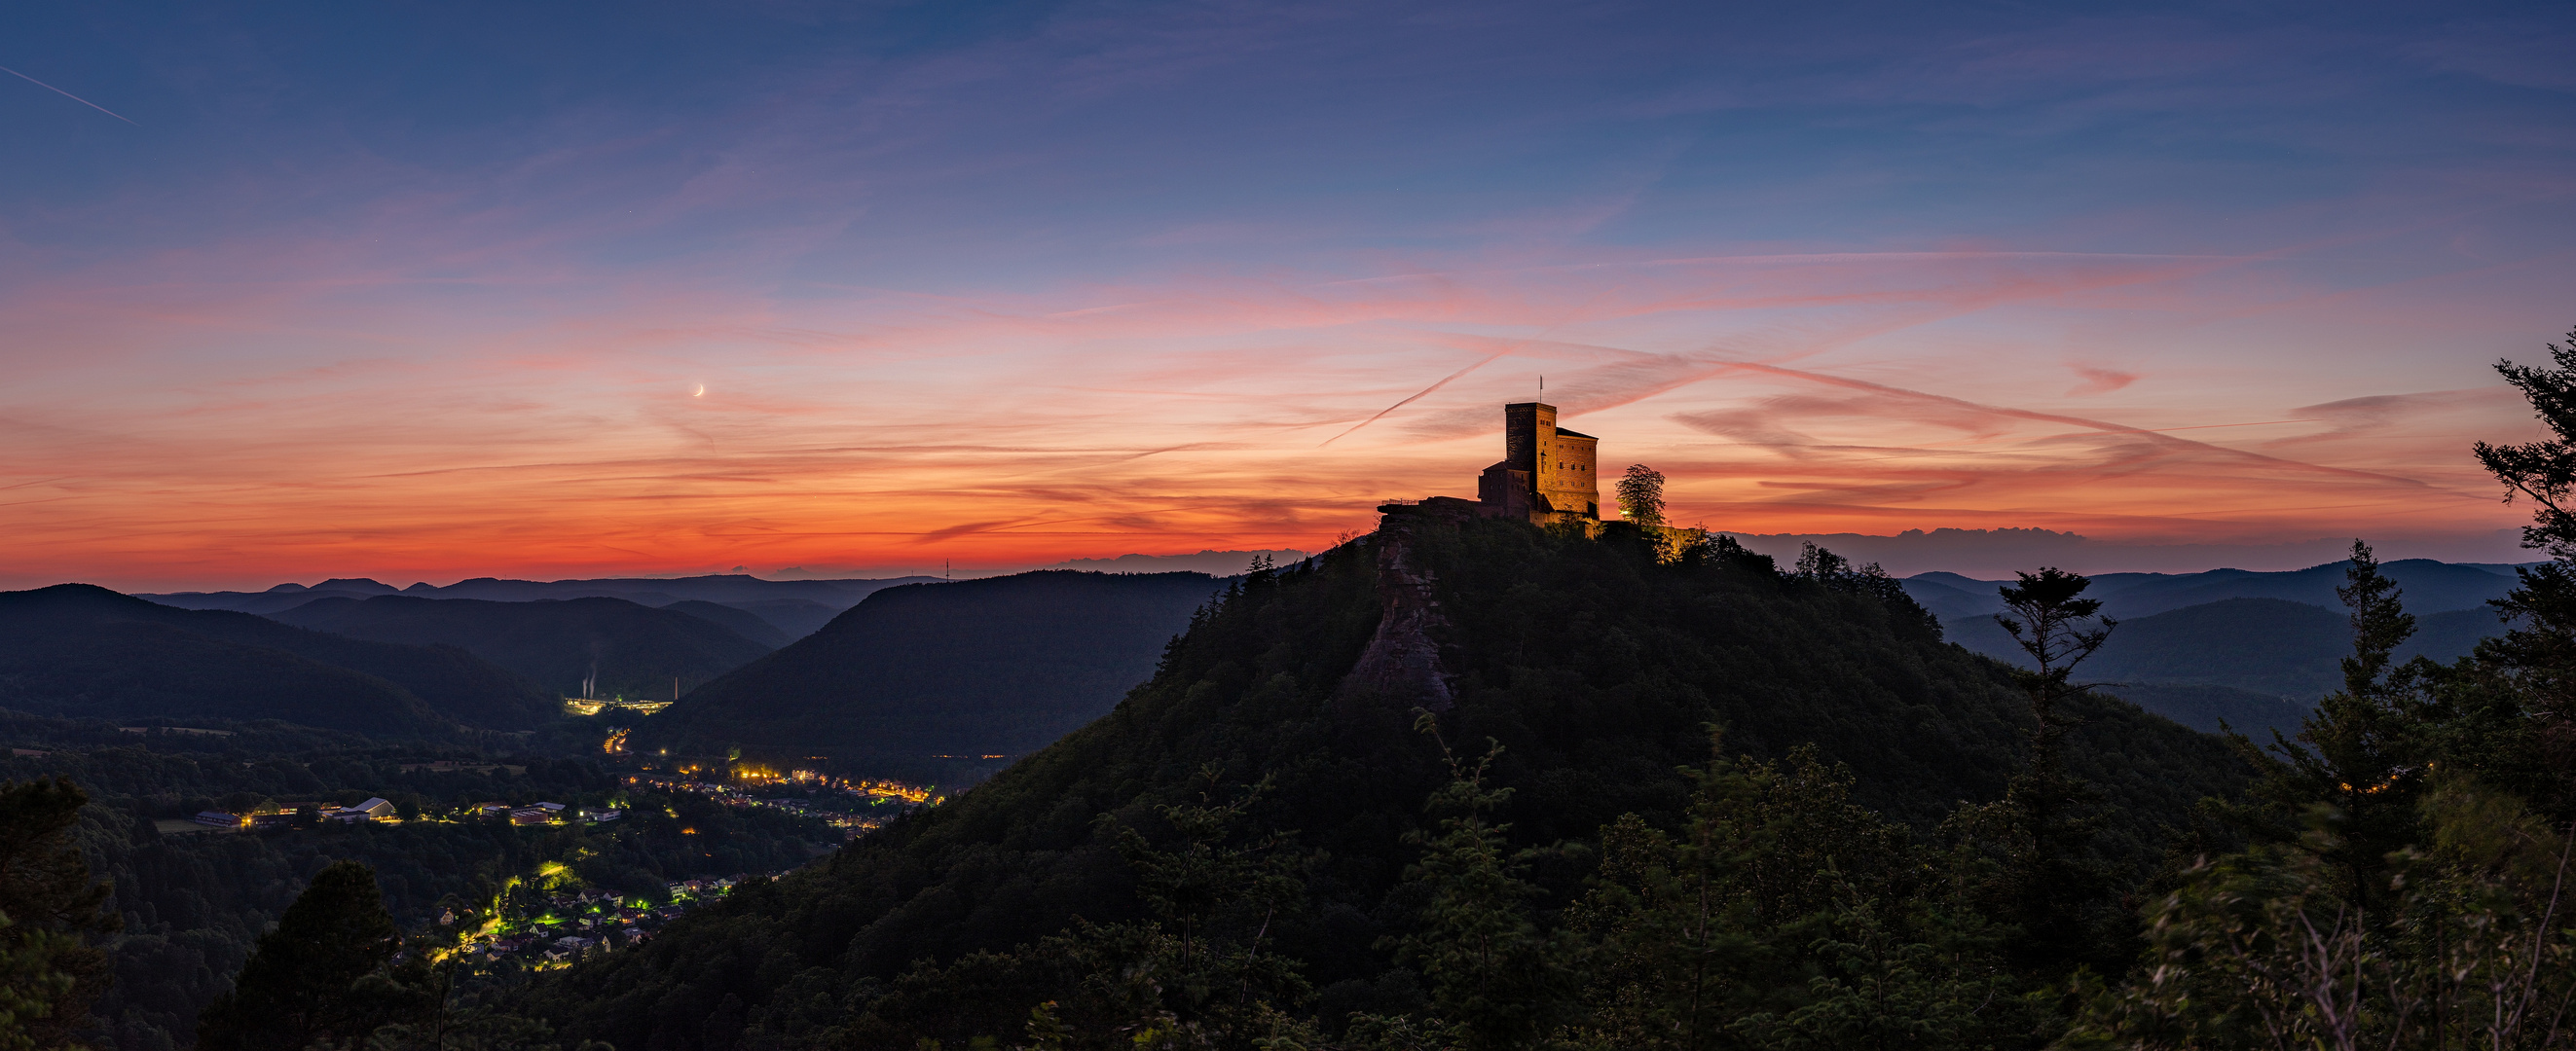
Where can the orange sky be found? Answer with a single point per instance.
(2151, 399)
(438, 291)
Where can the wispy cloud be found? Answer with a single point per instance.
(1010, 287)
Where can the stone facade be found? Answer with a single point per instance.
(1548, 474)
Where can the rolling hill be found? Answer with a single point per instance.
(74, 649)
(999, 666)
(1596, 668)
(741, 621)
(2252, 661)
(795, 607)
(636, 651)
(2429, 586)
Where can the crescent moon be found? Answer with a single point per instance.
(702, 391)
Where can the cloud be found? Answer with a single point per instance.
(1042, 287)
(2099, 380)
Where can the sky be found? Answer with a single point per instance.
(431, 291)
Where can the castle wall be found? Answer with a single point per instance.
(1574, 486)
(1546, 472)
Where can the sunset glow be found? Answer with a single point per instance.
(685, 293)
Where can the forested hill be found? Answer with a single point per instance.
(1002, 666)
(74, 649)
(632, 650)
(1595, 666)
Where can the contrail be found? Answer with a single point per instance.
(1444, 381)
(66, 94)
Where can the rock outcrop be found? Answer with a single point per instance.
(1401, 667)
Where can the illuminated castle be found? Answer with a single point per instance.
(1547, 473)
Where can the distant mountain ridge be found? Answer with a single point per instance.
(2429, 586)
(632, 650)
(78, 650)
(794, 607)
(2254, 649)
(998, 666)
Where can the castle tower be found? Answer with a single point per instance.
(1548, 473)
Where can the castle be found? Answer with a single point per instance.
(1548, 474)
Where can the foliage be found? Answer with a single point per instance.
(2539, 654)
(78, 649)
(1786, 917)
(302, 985)
(193, 903)
(2405, 878)
(1594, 661)
(1641, 495)
(972, 668)
(1493, 972)
(33, 986)
(633, 650)
(2269, 948)
(2361, 754)
(48, 907)
(2047, 880)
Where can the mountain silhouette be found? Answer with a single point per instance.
(634, 651)
(75, 649)
(998, 666)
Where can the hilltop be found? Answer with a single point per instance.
(994, 667)
(75, 649)
(795, 607)
(1597, 668)
(631, 650)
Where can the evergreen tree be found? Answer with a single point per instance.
(2356, 768)
(31, 985)
(307, 982)
(1217, 903)
(2265, 949)
(1788, 917)
(2539, 653)
(1495, 976)
(2049, 883)
(51, 904)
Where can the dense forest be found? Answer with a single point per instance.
(623, 649)
(996, 667)
(74, 649)
(1597, 665)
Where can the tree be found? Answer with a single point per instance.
(2046, 618)
(51, 905)
(1641, 495)
(2049, 884)
(2357, 765)
(2543, 471)
(30, 984)
(2540, 650)
(2263, 949)
(1787, 917)
(1494, 975)
(1213, 977)
(307, 980)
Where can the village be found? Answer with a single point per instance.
(855, 806)
(552, 930)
